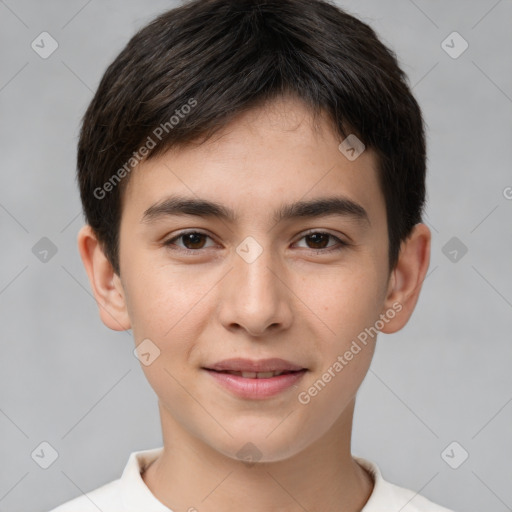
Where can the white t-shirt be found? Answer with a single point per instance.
(130, 494)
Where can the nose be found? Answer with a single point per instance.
(255, 296)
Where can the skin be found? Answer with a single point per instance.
(294, 301)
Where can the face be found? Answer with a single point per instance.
(205, 288)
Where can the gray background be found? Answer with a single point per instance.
(68, 380)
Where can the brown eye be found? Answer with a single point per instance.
(319, 241)
(192, 241)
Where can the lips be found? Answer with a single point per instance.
(256, 380)
(256, 375)
(255, 369)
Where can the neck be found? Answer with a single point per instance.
(191, 475)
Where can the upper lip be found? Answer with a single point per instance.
(274, 364)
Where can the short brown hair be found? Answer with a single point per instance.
(229, 56)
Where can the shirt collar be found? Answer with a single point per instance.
(135, 493)
(382, 498)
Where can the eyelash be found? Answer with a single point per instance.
(341, 244)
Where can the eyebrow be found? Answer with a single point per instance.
(324, 206)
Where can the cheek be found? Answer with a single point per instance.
(169, 308)
(344, 300)
(348, 304)
(322, 400)
(164, 302)
(166, 308)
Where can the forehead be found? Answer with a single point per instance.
(263, 158)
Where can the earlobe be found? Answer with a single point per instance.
(105, 284)
(407, 278)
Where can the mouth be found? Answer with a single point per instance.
(248, 367)
(251, 379)
(256, 375)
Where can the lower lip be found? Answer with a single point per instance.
(256, 388)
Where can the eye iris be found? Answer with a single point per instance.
(193, 239)
(316, 236)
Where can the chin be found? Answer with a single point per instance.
(252, 446)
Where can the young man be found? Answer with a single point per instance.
(252, 174)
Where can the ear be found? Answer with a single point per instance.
(105, 283)
(407, 278)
